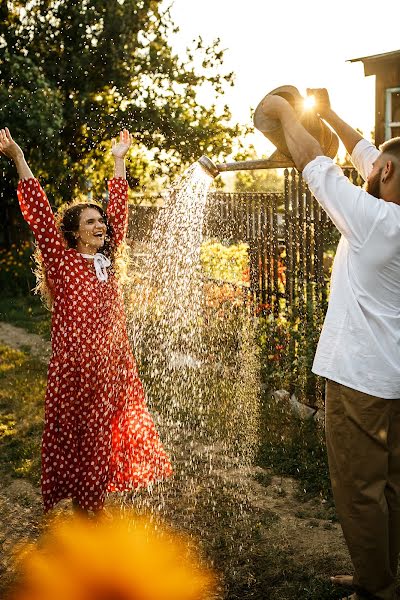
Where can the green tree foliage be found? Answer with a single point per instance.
(32, 109)
(31, 106)
(73, 73)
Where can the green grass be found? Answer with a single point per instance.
(291, 446)
(22, 390)
(27, 312)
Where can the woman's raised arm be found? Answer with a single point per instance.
(35, 207)
(117, 209)
(10, 148)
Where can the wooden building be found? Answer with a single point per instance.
(386, 68)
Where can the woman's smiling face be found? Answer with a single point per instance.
(92, 230)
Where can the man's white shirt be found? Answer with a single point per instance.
(359, 344)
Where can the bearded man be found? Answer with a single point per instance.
(359, 348)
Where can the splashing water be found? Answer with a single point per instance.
(197, 360)
(165, 326)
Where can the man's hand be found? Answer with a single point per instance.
(322, 102)
(8, 147)
(119, 149)
(349, 136)
(275, 106)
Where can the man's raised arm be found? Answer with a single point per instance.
(349, 136)
(302, 146)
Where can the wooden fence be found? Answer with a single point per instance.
(291, 241)
(290, 238)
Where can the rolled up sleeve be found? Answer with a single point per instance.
(363, 157)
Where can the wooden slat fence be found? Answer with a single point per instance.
(291, 242)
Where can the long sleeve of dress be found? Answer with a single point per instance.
(117, 209)
(37, 212)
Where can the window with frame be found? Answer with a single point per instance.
(392, 113)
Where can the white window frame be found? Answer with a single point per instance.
(388, 112)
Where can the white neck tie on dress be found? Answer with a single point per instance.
(101, 263)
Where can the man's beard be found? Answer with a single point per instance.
(373, 186)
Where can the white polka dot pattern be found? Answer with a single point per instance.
(98, 436)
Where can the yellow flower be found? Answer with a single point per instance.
(126, 558)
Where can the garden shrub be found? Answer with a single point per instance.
(204, 375)
(287, 349)
(228, 263)
(294, 447)
(16, 274)
(19, 304)
(289, 445)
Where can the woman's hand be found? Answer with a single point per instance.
(119, 149)
(11, 149)
(8, 147)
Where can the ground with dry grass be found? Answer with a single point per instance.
(265, 539)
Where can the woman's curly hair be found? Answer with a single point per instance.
(67, 222)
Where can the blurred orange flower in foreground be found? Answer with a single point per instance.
(127, 558)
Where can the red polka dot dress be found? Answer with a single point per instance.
(98, 434)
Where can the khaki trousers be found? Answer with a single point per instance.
(363, 443)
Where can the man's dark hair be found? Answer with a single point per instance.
(391, 147)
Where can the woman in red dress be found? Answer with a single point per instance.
(98, 434)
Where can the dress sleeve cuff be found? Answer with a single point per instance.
(24, 182)
(118, 181)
